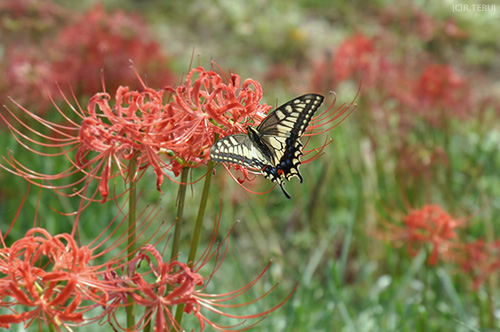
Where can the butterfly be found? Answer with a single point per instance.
(273, 147)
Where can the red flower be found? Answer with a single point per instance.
(53, 280)
(97, 40)
(47, 277)
(205, 106)
(108, 135)
(355, 55)
(358, 58)
(431, 226)
(149, 288)
(441, 88)
(140, 126)
(77, 52)
(479, 259)
(24, 75)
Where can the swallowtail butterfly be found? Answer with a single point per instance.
(274, 146)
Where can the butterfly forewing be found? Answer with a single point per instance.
(291, 119)
(282, 129)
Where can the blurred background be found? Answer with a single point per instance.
(425, 134)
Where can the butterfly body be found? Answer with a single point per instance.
(274, 146)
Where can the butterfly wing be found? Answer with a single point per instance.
(238, 149)
(281, 131)
(274, 146)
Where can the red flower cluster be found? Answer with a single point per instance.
(205, 106)
(431, 91)
(105, 41)
(52, 280)
(141, 127)
(149, 290)
(433, 228)
(357, 58)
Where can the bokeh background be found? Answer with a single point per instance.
(426, 133)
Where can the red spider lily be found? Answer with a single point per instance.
(107, 41)
(49, 276)
(205, 106)
(149, 289)
(432, 225)
(105, 138)
(440, 89)
(356, 55)
(140, 126)
(25, 75)
(429, 225)
(54, 280)
(479, 259)
(358, 58)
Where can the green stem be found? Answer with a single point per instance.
(179, 218)
(181, 197)
(132, 200)
(201, 214)
(197, 229)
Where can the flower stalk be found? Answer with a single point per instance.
(181, 198)
(132, 200)
(197, 229)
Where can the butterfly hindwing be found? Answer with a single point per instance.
(274, 146)
(237, 149)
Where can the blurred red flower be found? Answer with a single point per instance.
(429, 226)
(98, 40)
(440, 91)
(76, 53)
(356, 55)
(479, 259)
(358, 59)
